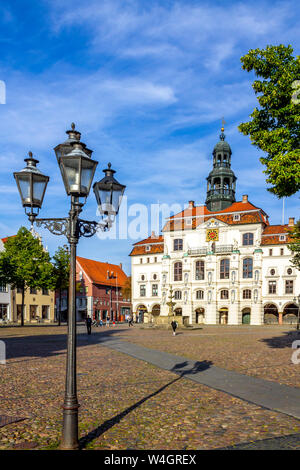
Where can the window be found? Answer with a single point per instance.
(148, 247)
(272, 272)
(282, 238)
(224, 269)
(3, 311)
(3, 288)
(19, 290)
(236, 217)
(45, 292)
(270, 252)
(155, 259)
(154, 276)
(246, 294)
(177, 295)
(189, 221)
(141, 260)
(178, 271)
(33, 290)
(45, 312)
(281, 251)
(289, 271)
(272, 287)
(224, 294)
(154, 290)
(148, 260)
(143, 290)
(289, 287)
(199, 274)
(142, 277)
(247, 268)
(178, 244)
(248, 239)
(199, 294)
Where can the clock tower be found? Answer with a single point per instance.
(221, 180)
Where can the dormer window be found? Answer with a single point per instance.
(282, 238)
(236, 217)
(148, 247)
(189, 221)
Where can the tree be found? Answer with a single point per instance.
(294, 246)
(275, 126)
(24, 263)
(126, 289)
(61, 273)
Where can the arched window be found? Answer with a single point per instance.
(247, 268)
(248, 239)
(199, 294)
(199, 272)
(224, 269)
(178, 271)
(177, 295)
(224, 294)
(246, 294)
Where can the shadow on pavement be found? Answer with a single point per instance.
(282, 341)
(40, 346)
(198, 367)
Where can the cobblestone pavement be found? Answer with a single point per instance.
(128, 404)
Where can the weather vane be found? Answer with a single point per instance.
(223, 123)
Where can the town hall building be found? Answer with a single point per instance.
(218, 263)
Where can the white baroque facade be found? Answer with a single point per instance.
(222, 262)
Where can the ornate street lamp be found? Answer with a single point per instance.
(109, 193)
(32, 186)
(77, 169)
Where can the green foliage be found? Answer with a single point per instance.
(275, 126)
(24, 262)
(294, 246)
(61, 269)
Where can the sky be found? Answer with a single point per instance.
(147, 84)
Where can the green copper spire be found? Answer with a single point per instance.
(221, 180)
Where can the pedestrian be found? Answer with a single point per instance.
(107, 321)
(130, 321)
(101, 322)
(89, 325)
(174, 325)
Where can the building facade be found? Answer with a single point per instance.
(218, 263)
(99, 292)
(5, 296)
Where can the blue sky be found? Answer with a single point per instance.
(147, 84)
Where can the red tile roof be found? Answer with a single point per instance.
(271, 235)
(156, 243)
(6, 238)
(97, 272)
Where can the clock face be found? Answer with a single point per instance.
(212, 234)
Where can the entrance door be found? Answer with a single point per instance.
(223, 317)
(246, 316)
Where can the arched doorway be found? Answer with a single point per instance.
(271, 314)
(290, 314)
(223, 316)
(178, 311)
(140, 313)
(200, 315)
(246, 314)
(155, 312)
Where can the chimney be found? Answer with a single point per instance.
(291, 221)
(191, 204)
(245, 198)
(121, 266)
(153, 234)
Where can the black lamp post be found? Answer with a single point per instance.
(297, 300)
(77, 169)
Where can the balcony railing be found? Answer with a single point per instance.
(218, 249)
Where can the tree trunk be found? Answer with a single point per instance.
(22, 307)
(59, 311)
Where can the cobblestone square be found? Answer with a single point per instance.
(127, 403)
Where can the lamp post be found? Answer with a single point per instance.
(297, 300)
(77, 169)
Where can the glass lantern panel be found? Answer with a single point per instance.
(70, 169)
(24, 184)
(87, 173)
(116, 200)
(38, 189)
(105, 201)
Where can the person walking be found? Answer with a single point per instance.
(107, 321)
(130, 321)
(89, 325)
(174, 325)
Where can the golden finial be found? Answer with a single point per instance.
(223, 123)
